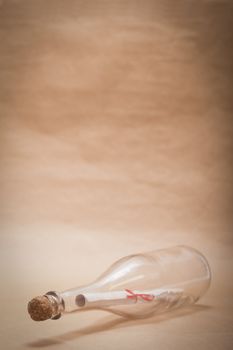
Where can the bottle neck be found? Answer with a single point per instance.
(57, 304)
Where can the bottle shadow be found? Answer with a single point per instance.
(111, 322)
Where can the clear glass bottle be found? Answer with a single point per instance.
(138, 285)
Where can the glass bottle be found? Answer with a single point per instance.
(135, 286)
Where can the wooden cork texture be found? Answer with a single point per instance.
(40, 308)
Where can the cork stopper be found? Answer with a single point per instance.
(40, 308)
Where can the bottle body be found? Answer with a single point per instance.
(140, 285)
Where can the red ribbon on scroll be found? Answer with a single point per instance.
(136, 296)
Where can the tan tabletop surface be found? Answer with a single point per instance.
(116, 138)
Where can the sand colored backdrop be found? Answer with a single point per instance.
(116, 138)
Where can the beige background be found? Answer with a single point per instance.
(116, 138)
